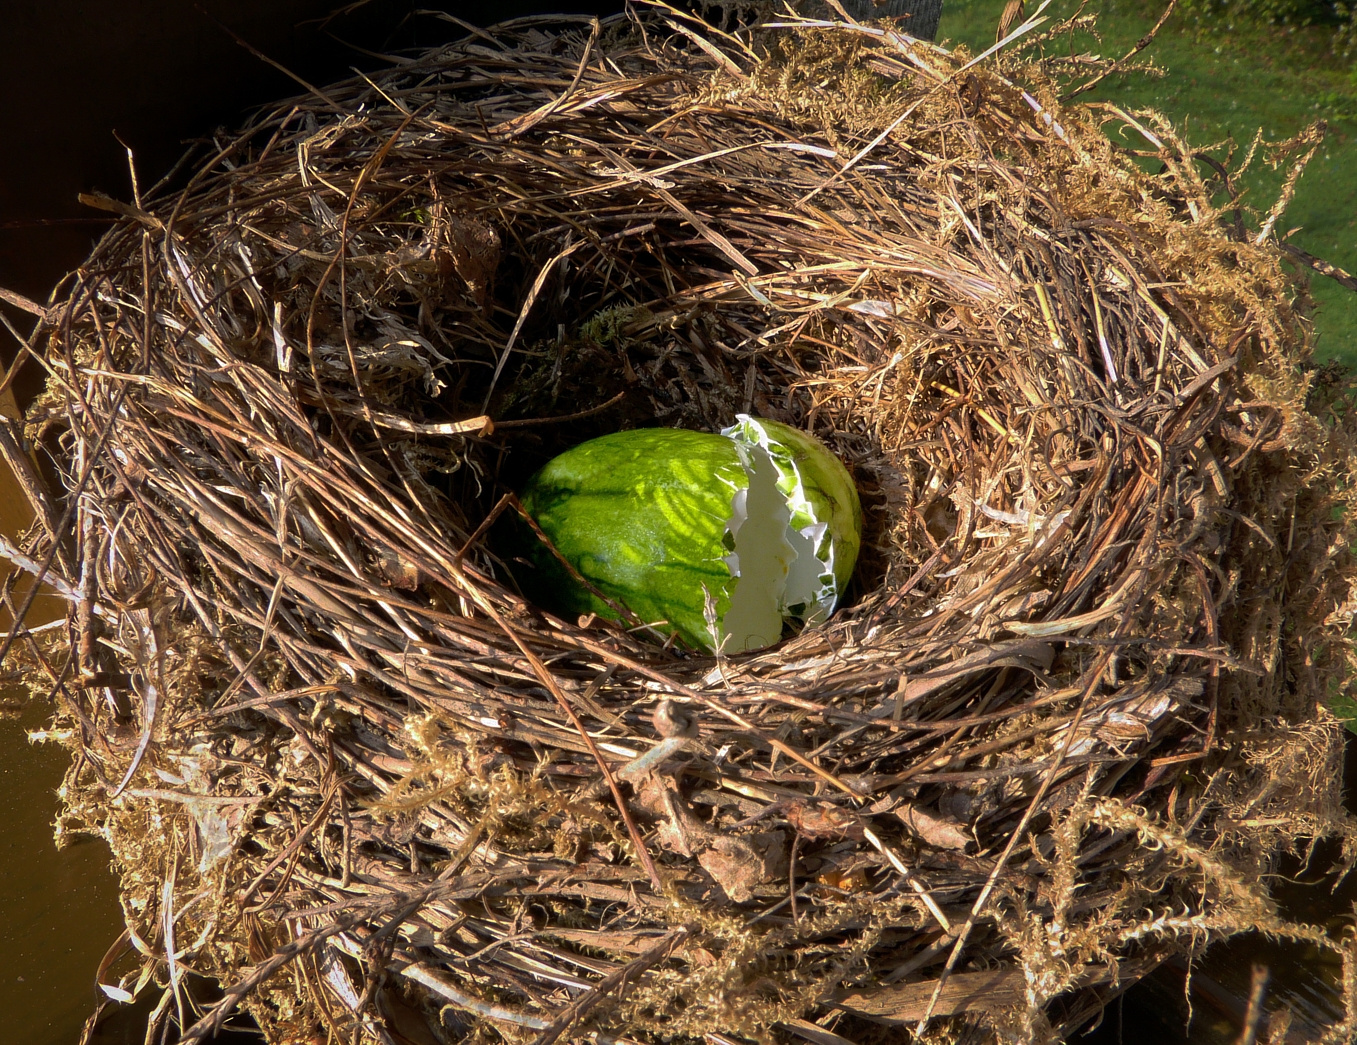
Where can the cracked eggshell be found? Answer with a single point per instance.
(718, 538)
(824, 504)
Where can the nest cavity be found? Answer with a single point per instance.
(1070, 715)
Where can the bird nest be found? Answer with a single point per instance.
(1068, 718)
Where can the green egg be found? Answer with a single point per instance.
(718, 538)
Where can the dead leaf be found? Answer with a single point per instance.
(394, 570)
(821, 821)
(473, 248)
(936, 831)
(740, 865)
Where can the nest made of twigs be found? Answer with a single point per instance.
(1070, 715)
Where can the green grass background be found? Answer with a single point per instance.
(1228, 81)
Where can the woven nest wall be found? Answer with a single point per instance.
(1067, 721)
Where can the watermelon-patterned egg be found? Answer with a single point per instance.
(718, 538)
